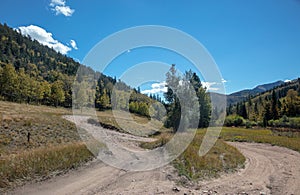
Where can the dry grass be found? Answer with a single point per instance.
(41, 162)
(45, 125)
(54, 145)
(221, 158)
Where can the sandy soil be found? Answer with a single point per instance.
(268, 170)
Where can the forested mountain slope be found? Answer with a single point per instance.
(281, 101)
(36, 74)
(239, 96)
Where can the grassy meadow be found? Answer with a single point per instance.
(54, 145)
(286, 139)
(223, 157)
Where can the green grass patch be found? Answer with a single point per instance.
(221, 158)
(260, 136)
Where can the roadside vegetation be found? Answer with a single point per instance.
(270, 117)
(237, 134)
(40, 163)
(221, 158)
(36, 142)
(181, 104)
(276, 108)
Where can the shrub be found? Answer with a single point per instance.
(284, 119)
(234, 120)
(285, 122)
(248, 124)
(271, 123)
(260, 123)
(295, 123)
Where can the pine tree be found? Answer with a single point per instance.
(267, 114)
(229, 110)
(193, 100)
(205, 108)
(249, 101)
(274, 107)
(256, 109)
(243, 111)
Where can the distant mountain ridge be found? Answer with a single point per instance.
(243, 94)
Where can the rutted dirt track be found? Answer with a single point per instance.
(269, 170)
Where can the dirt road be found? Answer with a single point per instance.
(268, 170)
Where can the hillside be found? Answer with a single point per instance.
(280, 101)
(242, 95)
(36, 74)
(35, 140)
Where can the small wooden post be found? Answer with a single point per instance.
(28, 137)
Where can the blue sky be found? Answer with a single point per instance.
(252, 42)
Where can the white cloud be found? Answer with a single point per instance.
(57, 2)
(60, 7)
(287, 81)
(156, 88)
(209, 86)
(161, 87)
(44, 37)
(213, 86)
(73, 44)
(65, 10)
